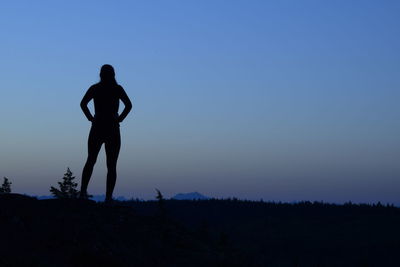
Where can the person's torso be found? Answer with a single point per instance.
(106, 103)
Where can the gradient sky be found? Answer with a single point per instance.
(280, 100)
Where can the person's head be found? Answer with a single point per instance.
(107, 74)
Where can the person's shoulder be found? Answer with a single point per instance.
(120, 88)
(94, 86)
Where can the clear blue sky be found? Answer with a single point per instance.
(280, 100)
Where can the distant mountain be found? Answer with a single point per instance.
(43, 197)
(97, 198)
(190, 196)
(100, 198)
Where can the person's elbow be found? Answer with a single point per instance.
(83, 104)
(128, 106)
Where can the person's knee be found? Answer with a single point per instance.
(111, 167)
(91, 161)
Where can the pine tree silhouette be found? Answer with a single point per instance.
(5, 187)
(67, 187)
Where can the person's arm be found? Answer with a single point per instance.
(85, 100)
(128, 105)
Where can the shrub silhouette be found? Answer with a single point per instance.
(67, 187)
(5, 187)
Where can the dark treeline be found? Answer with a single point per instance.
(300, 234)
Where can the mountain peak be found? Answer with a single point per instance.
(190, 196)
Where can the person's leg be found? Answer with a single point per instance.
(112, 146)
(94, 145)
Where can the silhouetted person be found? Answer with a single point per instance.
(105, 126)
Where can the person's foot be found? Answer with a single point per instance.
(109, 202)
(83, 195)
